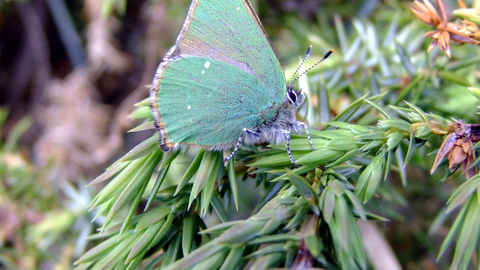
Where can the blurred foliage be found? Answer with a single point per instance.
(40, 220)
(378, 109)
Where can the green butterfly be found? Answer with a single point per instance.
(222, 84)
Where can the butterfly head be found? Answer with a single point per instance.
(294, 98)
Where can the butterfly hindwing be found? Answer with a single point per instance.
(209, 106)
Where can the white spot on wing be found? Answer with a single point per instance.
(238, 8)
(207, 64)
(189, 107)
(203, 72)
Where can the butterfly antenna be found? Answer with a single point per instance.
(301, 64)
(321, 60)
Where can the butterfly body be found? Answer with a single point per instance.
(221, 84)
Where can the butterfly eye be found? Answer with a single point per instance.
(292, 96)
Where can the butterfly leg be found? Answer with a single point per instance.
(245, 131)
(304, 126)
(287, 144)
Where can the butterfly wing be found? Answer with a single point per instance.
(230, 31)
(221, 76)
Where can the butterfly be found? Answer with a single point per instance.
(221, 85)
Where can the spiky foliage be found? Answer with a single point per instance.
(307, 215)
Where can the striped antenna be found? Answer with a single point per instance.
(308, 52)
(301, 64)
